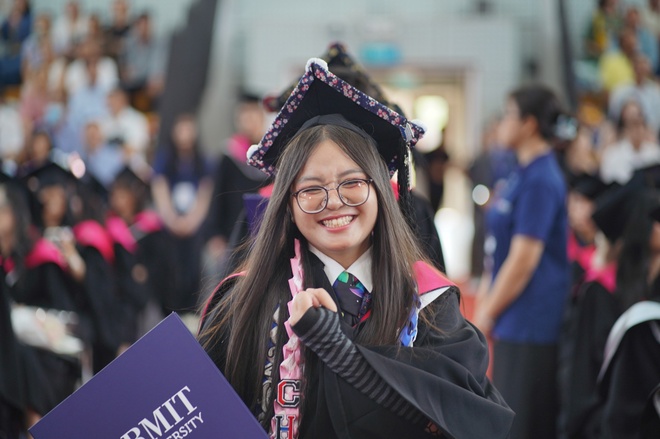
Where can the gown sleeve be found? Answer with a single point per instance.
(443, 377)
(632, 375)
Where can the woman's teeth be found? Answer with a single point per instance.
(337, 222)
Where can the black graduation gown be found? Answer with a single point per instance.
(101, 307)
(443, 376)
(12, 391)
(427, 233)
(155, 252)
(132, 294)
(589, 317)
(632, 376)
(232, 180)
(651, 416)
(48, 378)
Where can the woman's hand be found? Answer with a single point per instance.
(311, 297)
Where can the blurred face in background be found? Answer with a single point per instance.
(633, 124)
(120, 12)
(184, 134)
(72, 11)
(632, 18)
(143, 28)
(250, 120)
(512, 130)
(42, 26)
(123, 202)
(93, 136)
(117, 101)
(53, 201)
(580, 209)
(641, 67)
(7, 225)
(40, 148)
(628, 42)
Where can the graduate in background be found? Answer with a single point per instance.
(12, 381)
(338, 326)
(592, 307)
(233, 176)
(63, 212)
(143, 234)
(36, 373)
(630, 373)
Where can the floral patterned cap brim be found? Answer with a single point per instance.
(320, 92)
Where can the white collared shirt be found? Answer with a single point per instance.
(361, 268)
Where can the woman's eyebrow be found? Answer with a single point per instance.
(306, 178)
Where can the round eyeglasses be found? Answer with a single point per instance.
(314, 199)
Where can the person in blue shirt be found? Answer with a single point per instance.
(527, 222)
(182, 187)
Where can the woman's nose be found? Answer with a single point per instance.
(334, 200)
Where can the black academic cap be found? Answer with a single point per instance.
(51, 174)
(344, 66)
(248, 97)
(650, 177)
(132, 179)
(615, 206)
(321, 93)
(613, 209)
(587, 185)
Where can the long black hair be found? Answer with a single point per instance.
(247, 311)
(634, 262)
(13, 197)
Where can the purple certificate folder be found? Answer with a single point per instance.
(165, 386)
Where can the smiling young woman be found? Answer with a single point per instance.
(336, 326)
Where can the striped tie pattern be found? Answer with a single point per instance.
(354, 299)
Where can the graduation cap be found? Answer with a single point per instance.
(136, 180)
(589, 186)
(321, 93)
(51, 174)
(343, 65)
(321, 98)
(248, 98)
(615, 206)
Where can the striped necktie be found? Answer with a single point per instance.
(354, 299)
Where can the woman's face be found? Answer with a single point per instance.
(339, 231)
(7, 229)
(185, 134)
(510, 129)
(580, 209)
(40, 148)
(122, 201)
(53, 199)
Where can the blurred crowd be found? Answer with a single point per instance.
(104, 227)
